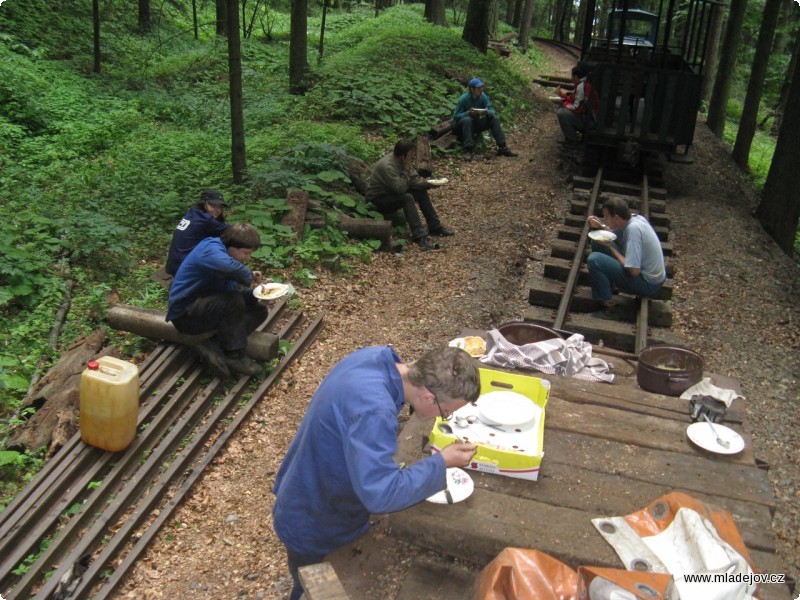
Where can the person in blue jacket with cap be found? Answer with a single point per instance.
(204, 219)
(340, 466)
(474, 114)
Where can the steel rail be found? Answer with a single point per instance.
(642, 315)
(116, 578)
(577, 261)
(169, 386)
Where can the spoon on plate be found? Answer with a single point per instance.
(724, 443)
(472, 419)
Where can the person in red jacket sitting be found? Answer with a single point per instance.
(577, 106)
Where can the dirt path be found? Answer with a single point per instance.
(221, 544)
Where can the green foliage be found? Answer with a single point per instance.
(96, 169)
(388, 75)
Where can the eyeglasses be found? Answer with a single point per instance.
(441, 412)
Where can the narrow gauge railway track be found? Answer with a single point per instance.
(562, 299)
(566, 47)
(80, 525)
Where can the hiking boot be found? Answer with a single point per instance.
(442, 232)
(468, 154)
(244, 365)
(506, 151)
(213, 358)
(426, 244)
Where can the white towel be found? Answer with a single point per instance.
(571, 357)
(706, 388)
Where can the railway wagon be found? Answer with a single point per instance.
(647, 67)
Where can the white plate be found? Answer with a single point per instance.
(481, 110)
(700, 433)
(441, 181)
(600, 235)
(271, 291)
(507, 408)
(459, 484)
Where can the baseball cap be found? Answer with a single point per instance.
(212, 197)
(475, 83)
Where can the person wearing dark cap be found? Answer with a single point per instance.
(473, 114)
(204, 219)
(395, 184)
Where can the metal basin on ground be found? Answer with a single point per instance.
(668, 370)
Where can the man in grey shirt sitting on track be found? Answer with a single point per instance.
(634, 262)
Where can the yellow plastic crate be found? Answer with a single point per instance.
(522, 464)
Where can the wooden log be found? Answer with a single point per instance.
(298, 205)
(445, 141)
(363, 229)
(321, 583)
(150, 323)
(508, 37)
(440, 129)
(424, 160)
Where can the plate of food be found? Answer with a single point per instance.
(473, 345)
(481, 110)
(601, 235)
(459, 487)
(440, 181)
(272, 290)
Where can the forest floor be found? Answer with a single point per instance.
(736, 301)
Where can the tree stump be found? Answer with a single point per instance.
(298, 205)
(56, 398)
(424, 160)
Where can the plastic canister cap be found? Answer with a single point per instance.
(93, 365)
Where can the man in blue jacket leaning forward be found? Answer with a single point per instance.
(339, 468)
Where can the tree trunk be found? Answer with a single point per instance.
(322, 30)
(712, 52)
(144, 15)
(577, 39)
(717, 111)
(96, 34)
(194, 20)
(787, 82)
(151, 324)
(525, 26)
(221, 8)
(509, 16)
(438, 14)
(298, 48)
(476, 25)
(492, 22)
(779, 210)
(518, 4)
(747, 124)
(238, 152)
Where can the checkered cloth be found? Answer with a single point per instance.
(571, 357)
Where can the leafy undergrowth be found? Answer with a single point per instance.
(98, 168)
